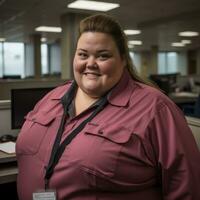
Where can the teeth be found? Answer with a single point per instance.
(92, 73)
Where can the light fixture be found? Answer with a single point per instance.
(188, 33)
(135, 42)
(2, 39)
(186, 41)
(130, 46)
(178, 44)
(48, 29)
(132, 32)
(43, 39)
(93, 5)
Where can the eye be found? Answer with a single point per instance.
(104, 56)
(82, 55)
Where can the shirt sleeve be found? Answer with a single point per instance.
(177, 155)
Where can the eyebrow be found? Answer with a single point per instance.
(100, 51)
(82, 50)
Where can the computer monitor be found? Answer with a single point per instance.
(166, 82)
(23, 101)
(11, 77)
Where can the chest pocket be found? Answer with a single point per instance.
(33, 132)
(107, 142)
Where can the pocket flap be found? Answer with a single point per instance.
(117, 134)
(40, 117)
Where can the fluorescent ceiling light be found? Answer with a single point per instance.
(49, 29)
(178, 44)
(92, 5)
(135, 42)
(2, 39)
(186, 41)
(43, 39)
(188, 33)
(132, 32)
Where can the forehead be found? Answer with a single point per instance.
(96, 39)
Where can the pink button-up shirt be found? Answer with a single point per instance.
(138, 147)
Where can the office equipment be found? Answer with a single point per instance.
(7, 138)
(194, 109)
(11, 77)
(186, 101)
(23, 101)
(183, 97)
(166, 82)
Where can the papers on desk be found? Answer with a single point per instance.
(7, 147)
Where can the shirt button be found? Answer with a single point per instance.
(100, 132)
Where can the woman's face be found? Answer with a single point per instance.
(98, 65)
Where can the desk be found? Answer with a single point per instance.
(8, 168)
(194, 124)
(183, 97)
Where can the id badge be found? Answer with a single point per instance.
(45, 195)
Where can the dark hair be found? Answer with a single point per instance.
(106, 24)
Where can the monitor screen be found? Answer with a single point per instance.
(166, 82)
(23, 101)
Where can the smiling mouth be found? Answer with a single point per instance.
(91, 73)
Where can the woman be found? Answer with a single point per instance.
(107, 134)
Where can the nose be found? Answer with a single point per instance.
(91, 62)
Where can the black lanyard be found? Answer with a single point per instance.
(58, 148)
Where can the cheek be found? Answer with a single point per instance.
(111, 68)
(78, 66)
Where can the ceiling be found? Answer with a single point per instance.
(159, 20)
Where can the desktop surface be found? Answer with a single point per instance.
(184, 97)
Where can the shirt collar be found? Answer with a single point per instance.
(58, 94)
(121, 93)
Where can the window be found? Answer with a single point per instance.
(172, 63)
(14, 59)
(167, 62)
(136, 59)
(1, 59)
(11, 59)
(44, 59)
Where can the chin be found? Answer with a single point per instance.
(92, 92)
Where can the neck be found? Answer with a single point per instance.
(83, 101)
